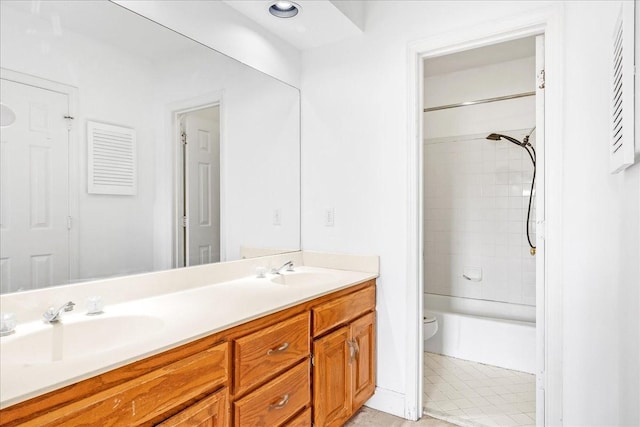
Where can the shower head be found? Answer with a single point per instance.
(498, 136)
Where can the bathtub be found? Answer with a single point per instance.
(489, 332)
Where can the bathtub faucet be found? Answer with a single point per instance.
(288, 264)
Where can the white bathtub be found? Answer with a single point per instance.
(489, 332)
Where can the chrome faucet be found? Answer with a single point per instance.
(288, 264)
(52, 315)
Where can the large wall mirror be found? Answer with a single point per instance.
(129, 148)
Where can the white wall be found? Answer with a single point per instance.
(355, 159)
(221, 27)
(505, 78)
(601, 249)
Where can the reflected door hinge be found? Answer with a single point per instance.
(540, 380)
(313, 360)
(68, 223)
(540, 230)
(69, 120)
(541, 79)
(185, 222)
(183, 137)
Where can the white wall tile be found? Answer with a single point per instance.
(476, 195)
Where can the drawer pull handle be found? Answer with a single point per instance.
(281, 404)
(280, 349)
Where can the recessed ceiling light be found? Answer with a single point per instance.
(284, 9)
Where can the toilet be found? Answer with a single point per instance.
(430, 325)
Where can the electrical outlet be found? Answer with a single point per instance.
(329, 217)
(277, 217)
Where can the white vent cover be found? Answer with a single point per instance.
(622, 112)
(112, 159)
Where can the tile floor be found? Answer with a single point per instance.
(476, 395)
(367, 417)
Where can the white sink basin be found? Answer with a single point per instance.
(294, 278)
(75, 339)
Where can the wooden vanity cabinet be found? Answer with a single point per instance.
(344, 357)
(255, 374)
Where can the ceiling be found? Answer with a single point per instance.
(319, 23)
(487, 55)
(135, 34)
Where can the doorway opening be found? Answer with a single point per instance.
(198, 219)
(483, 141)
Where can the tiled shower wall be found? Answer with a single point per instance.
(476, 196)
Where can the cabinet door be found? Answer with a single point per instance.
(208, 412)
(363, 366)
(332, 379)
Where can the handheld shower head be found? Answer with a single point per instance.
(498, 136)
(532, 155)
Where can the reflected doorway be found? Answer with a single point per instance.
(199, 220)
(35, 203)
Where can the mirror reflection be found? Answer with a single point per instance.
(129, 148)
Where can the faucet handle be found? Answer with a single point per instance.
(49, 314)
(7, 324)
(95, 305)
(69, 306)
(290, 267)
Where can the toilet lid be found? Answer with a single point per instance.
(429, 318)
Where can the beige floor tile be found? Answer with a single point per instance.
(368, 417)
(471, 394)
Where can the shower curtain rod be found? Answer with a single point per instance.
(480, 101)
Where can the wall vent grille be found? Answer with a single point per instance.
(112, 164)
(622, 111)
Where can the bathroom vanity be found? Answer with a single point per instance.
(309, 358)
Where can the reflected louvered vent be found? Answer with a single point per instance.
(112, 159)
(622, 112)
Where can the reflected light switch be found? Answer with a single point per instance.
(329, 216)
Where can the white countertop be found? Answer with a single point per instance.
(185, 316)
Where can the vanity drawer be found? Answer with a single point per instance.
(343, 309)
(261, 355)
(212, 411)
(301, 420)
(276, 401)
(147, 397)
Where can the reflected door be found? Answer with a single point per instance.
(34, 189)
(202, 128)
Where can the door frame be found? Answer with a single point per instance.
(73, 156)
(548, 21)
(174, 111)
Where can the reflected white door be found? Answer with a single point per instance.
(34, 189)
(203, 186)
